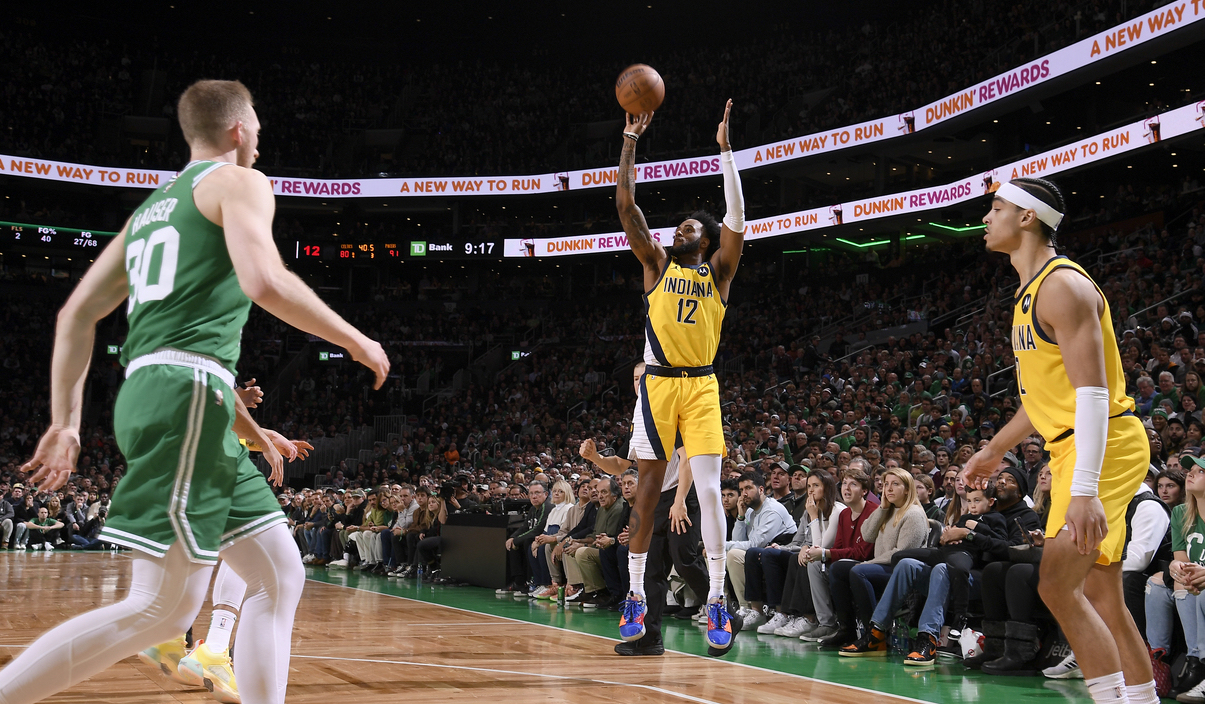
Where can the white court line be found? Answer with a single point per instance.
(873, 692)
(570, 678)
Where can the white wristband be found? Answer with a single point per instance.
(1091, 436)
(733, 198)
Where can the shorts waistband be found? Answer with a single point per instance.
(679, 371)
(180, 358)
(1071, 431)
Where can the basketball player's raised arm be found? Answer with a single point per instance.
(101, 290)
(1077, 330)
(246, 208)
(732, 233)
(646, 247)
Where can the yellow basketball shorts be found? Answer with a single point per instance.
(673, 407)
(1127, 457)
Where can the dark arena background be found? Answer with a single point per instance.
(445, 179)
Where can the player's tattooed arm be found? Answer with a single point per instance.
(646, 247)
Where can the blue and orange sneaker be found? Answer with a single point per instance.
(720, 626)
(631, 619)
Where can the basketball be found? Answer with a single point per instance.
(639, 89)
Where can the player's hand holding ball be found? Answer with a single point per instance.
(637, 124)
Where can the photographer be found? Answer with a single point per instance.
(87, 535)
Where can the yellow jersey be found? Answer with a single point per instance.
(1042, 382)
(683, 316)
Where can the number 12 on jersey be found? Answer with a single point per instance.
(686, 310)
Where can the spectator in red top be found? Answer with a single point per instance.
(849, 545)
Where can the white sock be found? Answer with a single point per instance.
(1142, 693)
(228, 592)
(165, 595)
(271, 566)
(715, 575)
(636, 562)
(221, 625)
(1110, 689)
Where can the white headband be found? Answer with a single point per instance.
(1024, 199)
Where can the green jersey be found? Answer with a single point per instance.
(184, 294)
(1191, 541)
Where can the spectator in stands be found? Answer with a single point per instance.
(849, 546)
(1033, 461)
(730, 495)
(1177, 591)
(581, 556)
(366, 536)
(43, 530)
(426, 550)
(1169, 486)
(578, 523)
(519, 567)
(352, 518)
(562, 502)
(924, 493)
(1148, 546)
(761, 520)
(405, 506)
(6, 521)
(779, 576)
(314, 529)
(898, 524)
(87, 536)
(613, 553)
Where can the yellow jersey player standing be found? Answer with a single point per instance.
(1072, 391)
(685, 301)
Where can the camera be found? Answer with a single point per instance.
(447, 490)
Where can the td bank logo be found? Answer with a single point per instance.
(324, 356)
(418, 249)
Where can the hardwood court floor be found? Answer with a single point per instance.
(367, 639)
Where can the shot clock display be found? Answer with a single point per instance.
(396, 251)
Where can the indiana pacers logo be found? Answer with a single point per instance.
(1025, 303)
(703, 270)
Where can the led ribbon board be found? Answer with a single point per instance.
(1151, 26)
(1136, 135)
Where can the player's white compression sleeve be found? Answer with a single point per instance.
(733, 197)
(1091, 435)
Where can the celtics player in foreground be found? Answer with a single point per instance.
(685, 301)
(190, 261)
(1073, 392)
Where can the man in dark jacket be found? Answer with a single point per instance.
(518, 546)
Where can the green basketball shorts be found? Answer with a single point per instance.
(187, 477)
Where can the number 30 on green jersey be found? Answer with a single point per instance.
(162, 248)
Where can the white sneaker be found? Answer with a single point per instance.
(49, 547)
(1068, 669)
(753, 618)
(307, 559)
(702, 617)
(36, 546)
(796, 627)
(337, 565)
(780, 619)
(1196, 695)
